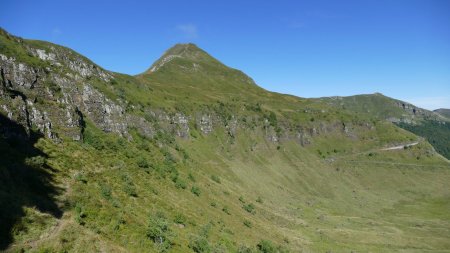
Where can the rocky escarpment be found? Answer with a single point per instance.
(53, 103)
(55, 91)
(58, 104)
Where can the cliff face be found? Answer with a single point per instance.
(54, 99)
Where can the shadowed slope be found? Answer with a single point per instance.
(25, 179)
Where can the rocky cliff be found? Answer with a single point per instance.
(54, 90)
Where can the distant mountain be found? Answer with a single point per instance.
(193, 156)
(383, 107)
(443, 112)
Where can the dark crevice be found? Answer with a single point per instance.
(2, 72)
(34, 82)
(81, 121)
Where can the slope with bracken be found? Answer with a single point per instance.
(192, 155)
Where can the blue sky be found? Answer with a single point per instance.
(319, 48)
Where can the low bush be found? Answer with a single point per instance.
(215, 179)
(180, 219)
(159, 232)
(180, 184)
(266, 246)
(195, 190)
(249, 208)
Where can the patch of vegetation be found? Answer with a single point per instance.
(142, 163)
(249, 208)
(259, 200)
(158, 230)
(180, 183)
(215, 179)
(195, 190)
(180, 219)
(247, 223)
(106, 192)
(436, 133)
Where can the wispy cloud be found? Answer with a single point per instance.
(430, 103)
(190, 31)
(56, 32)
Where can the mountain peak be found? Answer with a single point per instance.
(186, 51)
(183, 49)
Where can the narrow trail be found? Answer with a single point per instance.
(401, 146)
(395, 163)
(379, 149)
(398, 147)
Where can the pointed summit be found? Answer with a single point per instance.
(186, 65)
(188, 51)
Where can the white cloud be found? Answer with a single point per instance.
(190, 31)
(56, 32)
(430, 103)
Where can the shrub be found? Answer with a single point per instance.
(249, 208)
(195, 190)
(272, 119)
(244, 249)
(129, 187)
(247, 223)
(215, 179)
(180, 183)
(225, 210)
(266, 246)
(79, 214)
(259, 200)
(93, 140)
(143, 163)
(180, 219)
(35, 161)
(159, 231)
(81, 178)
(199, 244)
(213, 204)
(106, 191)
(130, 190)
(191, 177)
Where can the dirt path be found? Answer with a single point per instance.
(401, 146)
(396, 163)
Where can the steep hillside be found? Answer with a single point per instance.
(193, 156)
(433, 126)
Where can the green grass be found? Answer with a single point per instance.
(229, 191)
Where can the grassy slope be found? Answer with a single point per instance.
(358, 202)
(337, 194)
